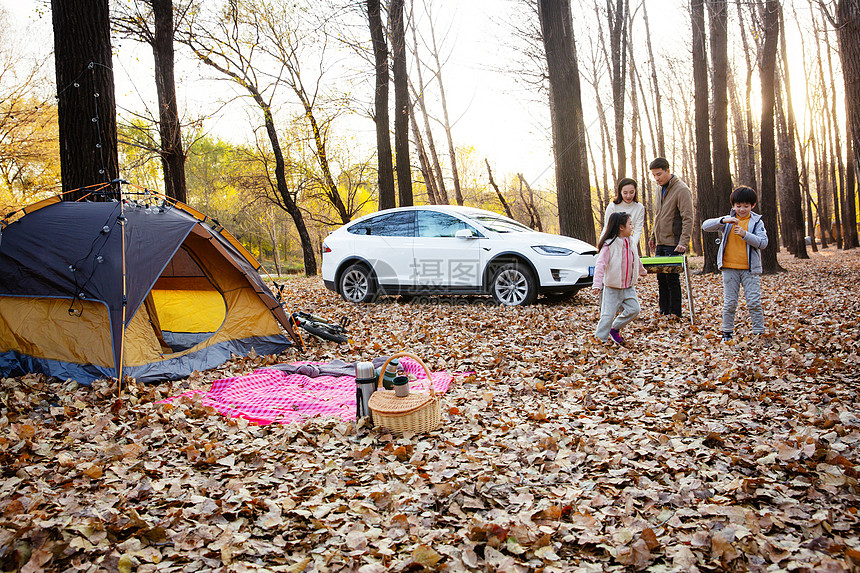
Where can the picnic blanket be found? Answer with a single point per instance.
(270, 395)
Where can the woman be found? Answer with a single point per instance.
(626, 201)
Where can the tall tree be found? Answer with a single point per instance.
(851, 239)
(836, 146)
(495, 187)
(155, 26)
(720, 102)
(828, 155)
(767, 194)
(709, 204)
(658, 103)
(224, 46)
(746, 149)
(172, 155)
(424, 160)
(385, 168)
(85, 94)
(568, 127)
(617, 15)
(848, 32)
(791, 200)
(418, 96)
(401, 103)
(452, 153)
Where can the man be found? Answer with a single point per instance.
(673, 225)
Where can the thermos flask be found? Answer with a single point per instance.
(365, 385)
(390, 373)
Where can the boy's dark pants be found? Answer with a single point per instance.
(669, 285)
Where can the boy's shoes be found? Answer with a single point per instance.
(727, 336)
(616, 336)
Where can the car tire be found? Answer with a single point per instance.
(357, 284)
(513, 284)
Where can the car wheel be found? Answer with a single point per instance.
(357, 284)
(514, 285)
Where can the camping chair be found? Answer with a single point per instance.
(673, 264)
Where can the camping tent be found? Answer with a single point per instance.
(114, 288)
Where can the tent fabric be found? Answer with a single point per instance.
(62, 284)
(171, 367)
(43, 327)
(270, 395)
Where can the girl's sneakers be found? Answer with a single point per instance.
(616, 336)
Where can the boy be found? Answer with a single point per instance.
(673, 226)
(739, 258)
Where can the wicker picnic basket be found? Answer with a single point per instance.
(417, 412)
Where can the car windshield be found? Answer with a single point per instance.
(498, 224)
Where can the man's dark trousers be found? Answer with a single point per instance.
(669, 284)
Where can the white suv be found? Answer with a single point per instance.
(436, 249)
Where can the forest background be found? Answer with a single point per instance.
(265, 87)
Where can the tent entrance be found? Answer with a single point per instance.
(185, 307)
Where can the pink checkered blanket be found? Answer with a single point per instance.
(267, 396)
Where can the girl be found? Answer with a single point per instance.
(626, 200)
(618, 267)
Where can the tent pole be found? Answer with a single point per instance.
(124, 299)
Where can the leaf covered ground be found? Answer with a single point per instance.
(677, 453)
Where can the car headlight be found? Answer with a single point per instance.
(552, 251)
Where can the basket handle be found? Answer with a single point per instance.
(416, 359)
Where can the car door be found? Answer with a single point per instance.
(387, 246)
(443, 260)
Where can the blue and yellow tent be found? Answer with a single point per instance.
(124, 288)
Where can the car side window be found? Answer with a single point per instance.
(362, 228)
(400, 224)
(436, 224)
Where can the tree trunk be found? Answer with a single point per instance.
(424, 161)
(719, 124)
(746, 150)
(607, 160)
(848, 32)
(658, 105)
(172, 152)
(738, 128)
(241, 78)
(85, 96)
(617, 16)
(790, 208)
(804, 177)
(635, 118)
(431, 145)
(534, 213)
(767, 194)
(385, 168)
(501, 197)
(458, 194)
(792, 199)
(836, 146)
(709, 205)
(820, 192)
(601, 210)
(850, 196)
(283, 189)
(568, 127)
(828, 174)
(401, 104)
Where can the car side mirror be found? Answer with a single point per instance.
(464, 234)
